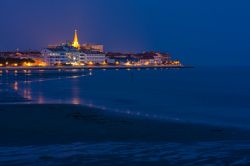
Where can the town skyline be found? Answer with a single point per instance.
(73, 54)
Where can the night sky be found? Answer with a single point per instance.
(198, 32)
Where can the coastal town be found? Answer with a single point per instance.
(73, 54)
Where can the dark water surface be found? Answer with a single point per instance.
(205, 95)
(217, 96)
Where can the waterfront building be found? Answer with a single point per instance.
(92, 57)
(60, 55)
(121, 58)
(66, 55)
(93, 47)
(149, 58)
(145, 58)
(72, 53)
(22, 58)
(147, 61)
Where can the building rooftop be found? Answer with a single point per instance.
(63, 49)
(90, 51)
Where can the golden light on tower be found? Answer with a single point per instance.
(75, 42)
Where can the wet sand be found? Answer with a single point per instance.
(33, 124)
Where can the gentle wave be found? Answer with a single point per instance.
(203, 153)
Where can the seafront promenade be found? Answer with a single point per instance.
(93, 67)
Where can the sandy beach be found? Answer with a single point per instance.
(22, 125)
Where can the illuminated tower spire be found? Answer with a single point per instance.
(75, 42)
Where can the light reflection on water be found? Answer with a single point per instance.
(75, 92)
(41, 99)
(187, 94)
(27, 94)
(15, 86)
(21, 82)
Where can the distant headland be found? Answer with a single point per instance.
(74, 55)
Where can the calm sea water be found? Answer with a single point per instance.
(217, 96)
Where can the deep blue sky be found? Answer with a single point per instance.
(199, 32)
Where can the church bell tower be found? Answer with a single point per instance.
(75, 42)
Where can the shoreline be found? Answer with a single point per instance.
(94, 67)
(45, 124)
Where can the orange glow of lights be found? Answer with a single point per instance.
(28, 64)
(27, 94)
(75, 64)
(128, 64)
(76, 101)
(40, 99)
(104, 63)
(176, 63)
(42, 64)
(90, 63)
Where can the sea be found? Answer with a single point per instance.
(204, 95)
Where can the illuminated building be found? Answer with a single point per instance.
(60, 55)
(68, 55)
(75, 42)
(88, 56)
(93, 47)
(73, 53)
(147, 61)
